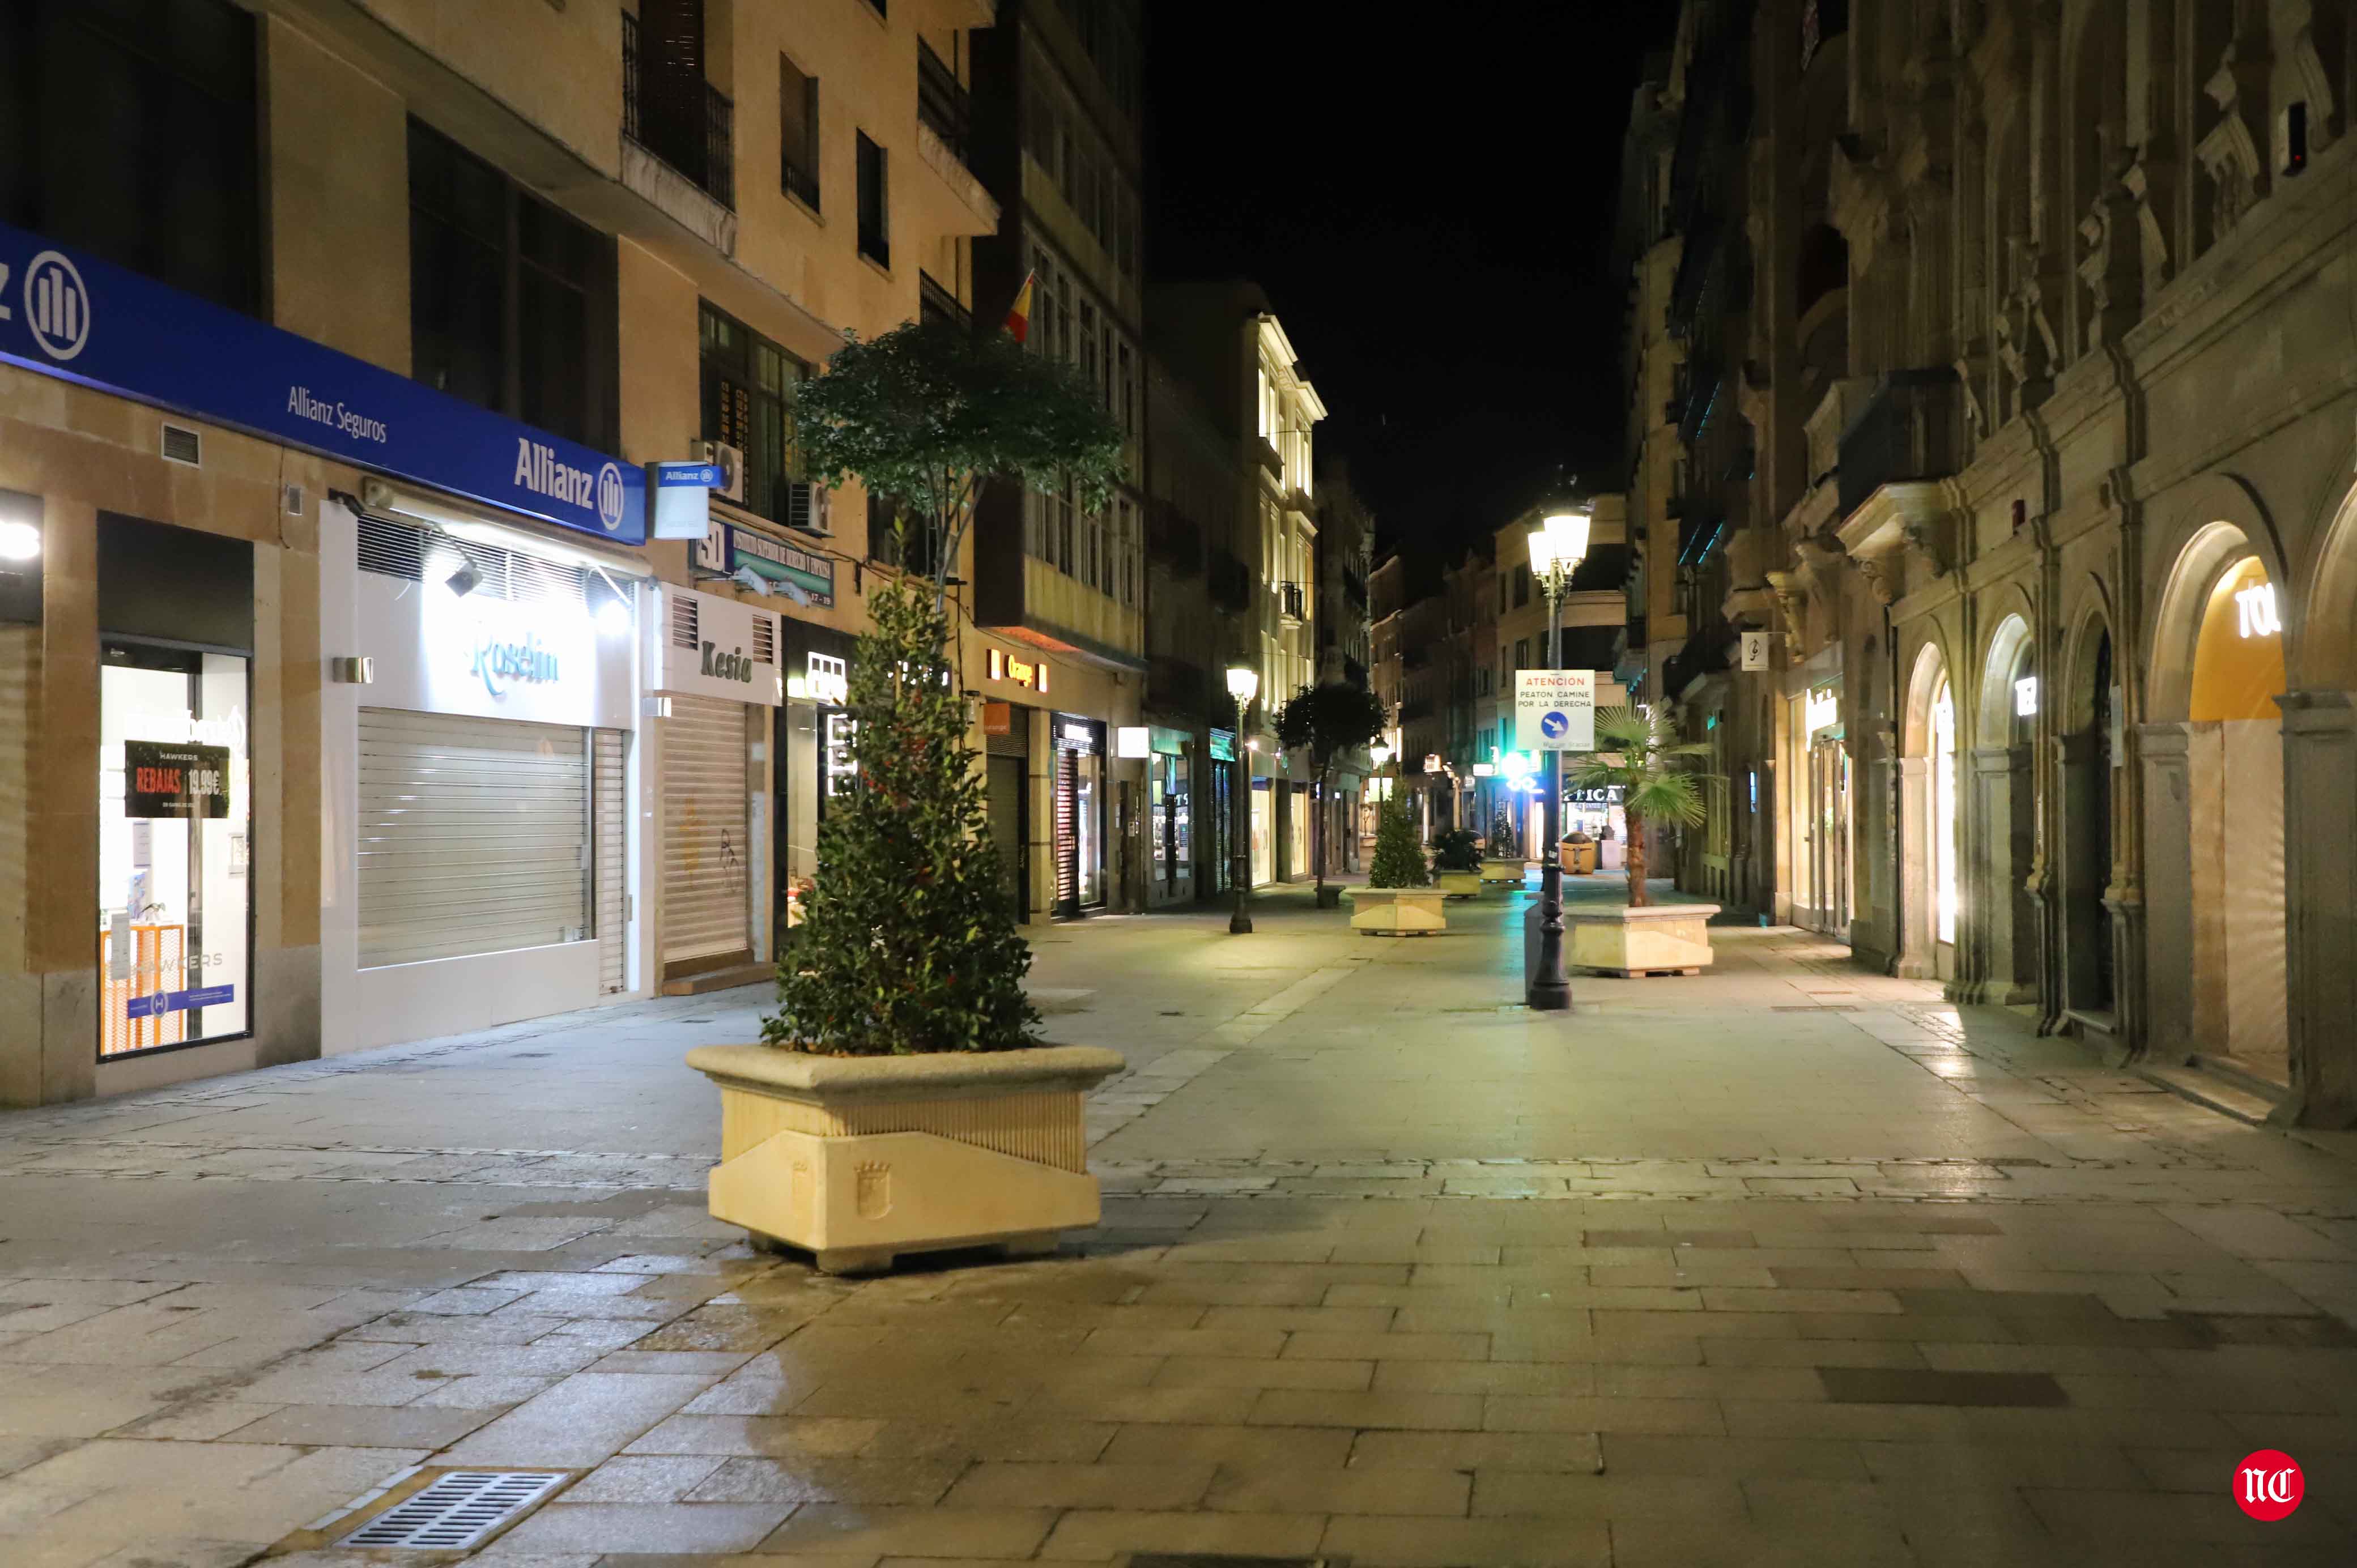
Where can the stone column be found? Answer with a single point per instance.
(2170, 1037)
(61, 848)
(2319, 740)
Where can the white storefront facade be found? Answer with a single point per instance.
(481, 857)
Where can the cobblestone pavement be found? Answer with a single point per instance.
(1783, 1264)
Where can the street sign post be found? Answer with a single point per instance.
(1554, 710)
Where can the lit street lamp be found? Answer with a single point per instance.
(1244, 684)
(1557, 546)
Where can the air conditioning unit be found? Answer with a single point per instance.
(807, 507)
(732, 468)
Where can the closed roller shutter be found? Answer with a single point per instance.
(473, 836)
(707, 910)
(611, 828)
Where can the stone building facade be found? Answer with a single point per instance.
(2012, 348)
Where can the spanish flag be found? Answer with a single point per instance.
(1018, 314)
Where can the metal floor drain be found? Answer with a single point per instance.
(1815, 1007)
(458, 1512)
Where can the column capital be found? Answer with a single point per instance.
(2155, 742)
(2318, 713)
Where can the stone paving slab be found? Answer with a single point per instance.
(1389, 1270)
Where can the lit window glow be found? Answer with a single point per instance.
(2256, 604)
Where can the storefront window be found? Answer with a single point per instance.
(176, 834)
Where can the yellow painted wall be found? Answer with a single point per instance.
(2235, 676)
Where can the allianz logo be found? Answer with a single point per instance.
(538, 469)
(500, 664)
(730, 666)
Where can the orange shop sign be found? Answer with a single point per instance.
(1029, 673)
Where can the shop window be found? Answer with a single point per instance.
(129, 127)
(512, 302)
(749, 386)
(176, 842)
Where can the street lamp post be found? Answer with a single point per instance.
(1244, 684)
(1557, 546)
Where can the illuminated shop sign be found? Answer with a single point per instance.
(2256, 606)
(65, 313)
(1824, 707)
(1030, 674)
(501, 663)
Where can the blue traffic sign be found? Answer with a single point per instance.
(1554, 724)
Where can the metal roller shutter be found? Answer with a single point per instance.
(707, 908)
(611, 829)
(473, 836)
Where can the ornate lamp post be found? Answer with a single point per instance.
(1557, 546)
(1244, 684)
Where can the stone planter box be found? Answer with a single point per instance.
(1458, 883)
(1661, 939)
(1507, 871)
(1398, 911)
(859, 1159)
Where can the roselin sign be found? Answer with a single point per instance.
(182, 781)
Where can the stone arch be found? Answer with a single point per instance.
(2085, 697)
(1927, 842)
(2319, 629)
(2000, 785)
(2215, 874)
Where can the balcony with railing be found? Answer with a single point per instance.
(1909, 431)
(672, 111)
(943, 104)
(1293, 602)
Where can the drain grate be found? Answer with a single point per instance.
(460, 1511)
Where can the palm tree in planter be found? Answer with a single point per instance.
(1399, 899)
(901, 1100)
(1639, 754)
(1329, 720)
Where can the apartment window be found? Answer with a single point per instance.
(749, 385)
(1089, 344)
(798, 133)
(874, 225)
(1523, 653)
(668, 106)
(1521, 586)
(130, 130)
(1128, 395)
(1267, 418)
(511, 303)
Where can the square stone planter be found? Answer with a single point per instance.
(1398, 911)
(1661, 939)
(1513, 872)
(859, 1159)
(1458, 883)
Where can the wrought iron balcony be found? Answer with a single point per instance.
(1910, 430)
(680, 118)
(943, 104)
(1293, 601)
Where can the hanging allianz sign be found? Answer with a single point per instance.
(66, 314)
(712, 647)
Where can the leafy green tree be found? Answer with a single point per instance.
(1639, 754)
(1329, 720)
(911, 942)
(1399, 858)
(928, 413)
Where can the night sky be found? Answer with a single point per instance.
(1430, 210)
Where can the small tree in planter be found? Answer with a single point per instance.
(896, 1104)
(1399, 898)
(1639, 754)
(1399, 858)
(1329, 720)
(1504, 842)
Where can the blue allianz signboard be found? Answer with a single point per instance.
(67, 313)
